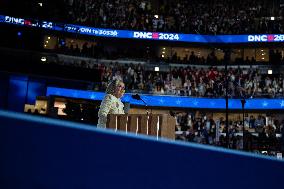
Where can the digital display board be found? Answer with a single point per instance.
(146, 35)
(175, 101)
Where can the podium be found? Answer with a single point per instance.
(159, 125)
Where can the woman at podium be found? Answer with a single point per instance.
(111, 104)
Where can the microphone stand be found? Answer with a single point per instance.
(227, 58)
(243, 101)
(145, 105)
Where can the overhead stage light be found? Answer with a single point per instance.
(43, 59)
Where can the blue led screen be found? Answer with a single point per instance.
(175, 101)
(161, 36)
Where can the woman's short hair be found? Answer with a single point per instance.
(112, 86)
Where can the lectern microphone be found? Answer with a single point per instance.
(138, 97)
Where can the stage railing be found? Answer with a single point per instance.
(38, 152)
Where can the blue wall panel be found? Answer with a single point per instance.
(35, 88)
(17, 93)
(18, 90)
(4, 85)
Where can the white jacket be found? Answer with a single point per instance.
(109, 105)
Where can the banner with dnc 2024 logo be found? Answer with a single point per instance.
(144, 35)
